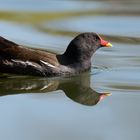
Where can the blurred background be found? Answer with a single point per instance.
(70, 112)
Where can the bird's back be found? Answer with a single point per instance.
(18, 59)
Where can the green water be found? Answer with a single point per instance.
(37, 108)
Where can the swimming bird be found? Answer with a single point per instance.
(18, 59)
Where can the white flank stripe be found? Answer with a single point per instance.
(30, 63)
(48, 64)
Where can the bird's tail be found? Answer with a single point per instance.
(4, 43)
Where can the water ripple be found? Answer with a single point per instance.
(95, 70)
(105, 25)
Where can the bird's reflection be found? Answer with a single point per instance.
(76, 88)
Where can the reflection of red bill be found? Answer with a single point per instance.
(104, 95)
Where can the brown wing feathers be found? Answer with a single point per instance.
(10, 50)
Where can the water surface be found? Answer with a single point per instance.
(78, 107)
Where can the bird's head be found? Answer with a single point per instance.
(84, 45)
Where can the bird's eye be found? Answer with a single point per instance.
(96, 38)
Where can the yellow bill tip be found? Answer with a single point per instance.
(108, 45)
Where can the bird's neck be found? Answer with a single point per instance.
(74, 61)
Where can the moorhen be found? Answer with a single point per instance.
(17, 59)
